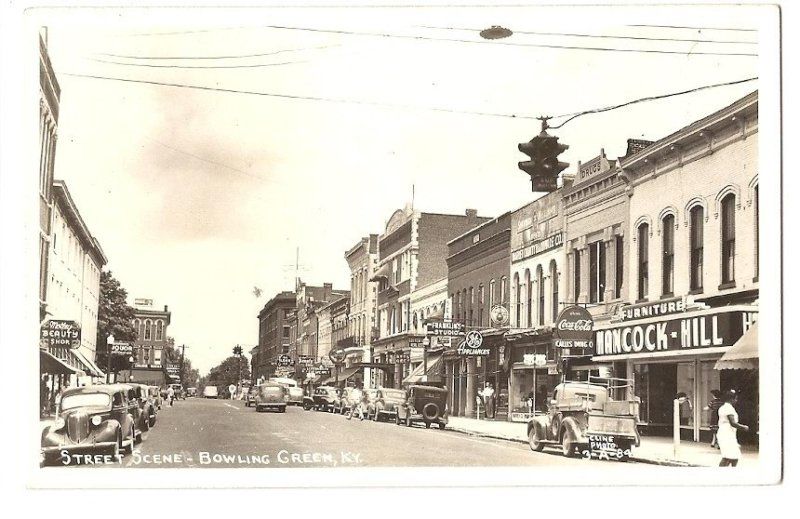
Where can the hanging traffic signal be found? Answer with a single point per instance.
(237, 350)
(544, 165)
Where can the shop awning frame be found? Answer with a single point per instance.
(743, 354)
(91, 367)
(342, 376)
(416, 375)
(49, 363)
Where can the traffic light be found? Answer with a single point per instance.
(237, 350)
(544, 165)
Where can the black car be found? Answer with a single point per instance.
(426, 404)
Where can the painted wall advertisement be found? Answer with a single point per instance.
(537, 228)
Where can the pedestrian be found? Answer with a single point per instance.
(170, 395)
(541, 399)
(359, 403)
(488, 400)
(726, 434)
(530, 401)
(713, 415)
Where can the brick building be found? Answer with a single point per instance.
(362, 259)
(693, 271)
(149, 359)
(273, 333)
(477, 280)
(412, 253)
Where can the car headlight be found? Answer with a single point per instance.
(96, 420)
(59, 424)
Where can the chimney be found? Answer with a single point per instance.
(166, 308)
(471, 213)
(327, 290)
(567, 179)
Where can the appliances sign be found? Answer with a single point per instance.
(703, 331)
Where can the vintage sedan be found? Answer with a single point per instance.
(425, 404)
(139, 412)
(146, 404)
(325, 398)
(271, 396)
(387, 401)
(155, 396)
(90, 420)
(250, 396)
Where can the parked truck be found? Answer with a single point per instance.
(596, 418)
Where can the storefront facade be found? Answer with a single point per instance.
(693, 269)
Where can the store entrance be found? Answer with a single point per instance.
(656, 385)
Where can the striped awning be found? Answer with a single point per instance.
(743, 354)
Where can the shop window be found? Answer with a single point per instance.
(728, 210)
(696, 218)
(644, 249)
(755, 195)
(619, 271)
(540, 289)
(597, 272)
(577, 276)
(554, 287)
(668, 255)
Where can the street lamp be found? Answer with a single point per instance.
(109, 342)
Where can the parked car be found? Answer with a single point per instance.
(250, 396)
(425, 404)
(210, 392)
(146, 403)
(155, 396)
(271, 396)
(90, 420)
(296, 393)
(192, 391)
(387, 401)
(584, 417)
(345, 401)
(325, 398)
(141, 417)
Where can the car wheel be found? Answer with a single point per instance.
(283, 409)
(132, 438)
(152, 420)
(115, 450)
(567, 447)
(534, 441)
(408, 420)
(441, 426)
(427, 425)
(397, 419)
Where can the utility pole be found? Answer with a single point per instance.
(183, 348)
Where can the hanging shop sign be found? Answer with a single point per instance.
(574, 328)
(444, 328)
(58, 333)
(285, 361)
(338, 355)
(401, 357)
(471, 345)
(172, 369)
(305, 360)
(678, 334)
(538, 360)
(121, 348)
(499, 315)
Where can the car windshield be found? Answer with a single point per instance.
(394, 393)
(372, 392)
(85, 400)
(270, 390)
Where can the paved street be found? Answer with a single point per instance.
(223, 433)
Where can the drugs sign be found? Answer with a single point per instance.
(574, 328)
(61, 333)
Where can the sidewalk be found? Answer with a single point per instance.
(655, 450)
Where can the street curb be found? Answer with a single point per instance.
(664, 463)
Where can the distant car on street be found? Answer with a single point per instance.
(155, 396)
(271, 396)
(250, 396)
(90, 420)
(192, 391)
(387, 401)
(325, 398)
(179, 392)
(296, 393)
(146, 403)
(210, 392)
(425, 404)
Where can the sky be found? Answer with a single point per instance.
(198, 196)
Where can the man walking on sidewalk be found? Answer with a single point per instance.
(170, 395)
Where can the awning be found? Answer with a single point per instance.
(53, 365)
(342, 376)
(432, 372)
(743, 354)
(89, 367)
(384, 272)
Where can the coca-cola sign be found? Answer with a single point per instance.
(574, 328)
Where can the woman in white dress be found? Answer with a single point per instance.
(726, 434)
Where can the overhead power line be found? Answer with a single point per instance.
(235, 56)
(600, 36)
(150, 65)
(393, 105)
(695, 28)
(507, 43)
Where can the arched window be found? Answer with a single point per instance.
(540, 295)
(728, 210)
(141, 331)
(529, 301)
(576, 276)
(517, 299)
(482, 303)
(491, 294)
(471, 305)
(136, 328)
(554, 288)
(696, 222)
(597, 271)
(503, 289)
(755, 196)
(148, 330)
(643, 235)
(668, 255)
(160, 331)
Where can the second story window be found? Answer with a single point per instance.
(696, 248)
(518, 300)
(728, 210)
(668, 255)
(755, 195)
(503, 289)
(644, 249)
(597, 272)
(540, 289)
(491, 294)
(554, 287)
(577, 276)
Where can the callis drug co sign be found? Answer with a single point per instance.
(574, 328)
